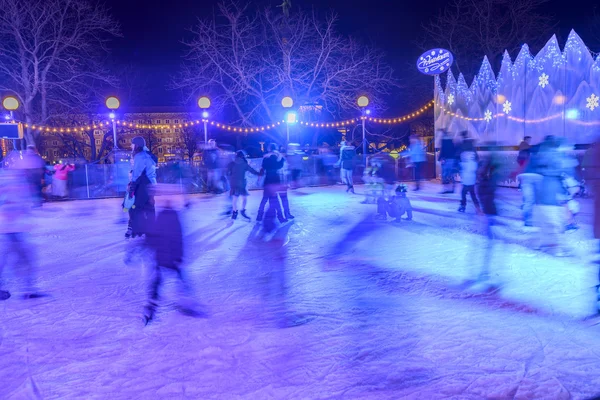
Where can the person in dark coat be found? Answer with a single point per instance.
(167, 248)
(143, 179)
(272, 163)
(237, 174)
(447, 158)
(346, 163)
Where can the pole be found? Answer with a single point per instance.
(364, 141)
(87, 181)
(205, 132)
(114, 135)
(287, 125)
(12, 118)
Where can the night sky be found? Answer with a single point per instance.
(152, 34)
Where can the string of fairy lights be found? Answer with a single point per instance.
(489, 116)
(225, 127)
(257, 129)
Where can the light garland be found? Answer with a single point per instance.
(225, 127)
(403, 118)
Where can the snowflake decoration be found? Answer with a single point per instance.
(487, 116)
(592, 102)
(507, 107)
(450, 99)
(544, 79)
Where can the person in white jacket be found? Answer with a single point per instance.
(468, 176)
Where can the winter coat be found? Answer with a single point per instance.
(211, 158)
(271, 165)
(591, 163)
(16, 200)
(468, 169)
(237, 172)
(61, 171)
(144, 163)
(447, 150)
(347, 155)
(166, 240)
(549, 163)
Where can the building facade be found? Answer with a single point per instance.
(167, 143)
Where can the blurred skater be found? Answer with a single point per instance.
(447, 158)
(60, 178)
(294, 159)
(468, 177)
(237, 173)
(396, 206)
(35, 173)
(143, 180)
(272, 163)
(17, 198)
(591, 165)
(488, 177)
(346, 163)
(165, 243)
(549, 212)
(529, 180)
(211, 161)
(416, 151)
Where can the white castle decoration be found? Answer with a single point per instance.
(556, 92)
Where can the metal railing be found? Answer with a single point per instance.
(91, 181)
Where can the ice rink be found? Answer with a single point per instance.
(335, 306)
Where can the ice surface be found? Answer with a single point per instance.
(335, 306)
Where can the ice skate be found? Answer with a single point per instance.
(4, 294)
(234, 215)
(461, 209)
(243, 213)
(289, 216)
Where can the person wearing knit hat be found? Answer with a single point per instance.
(138, 141)
(143, 178)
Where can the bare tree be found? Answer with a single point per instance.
(471, 29)
(188, 142)
(52, 55)
(248, 61)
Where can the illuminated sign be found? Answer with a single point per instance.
(435, 61)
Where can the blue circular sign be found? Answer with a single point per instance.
(435, 61)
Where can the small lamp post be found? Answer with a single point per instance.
(113, 103)
(204, 104)
(290, 117)
(11, 103)
(363, 102)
